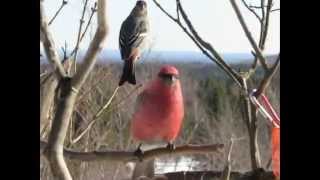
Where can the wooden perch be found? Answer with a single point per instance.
(126, 156)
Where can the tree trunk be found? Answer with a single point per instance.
(54, 150)
(250, 117)
(253, 135)
(47, 99)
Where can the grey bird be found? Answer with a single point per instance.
(133, 40)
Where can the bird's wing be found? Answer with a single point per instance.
(132, 34)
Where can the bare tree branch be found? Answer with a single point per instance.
(79, 33)
(251, 10)
(249, 35)
(208, 46)
(256, 7)
(92, 86)
(266, 25)
(108, 103)
(93, 11)
(94, 48)
(277, 9)
(48, 44)
(117, 104)
(64, 2)
(164, 11)
(47, 98)
(70, 88)
(266, 80)
(95, 117)
(226, 172)
(65, 51)
(127, 156)
(202, 45)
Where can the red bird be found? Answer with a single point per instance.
(160, 109)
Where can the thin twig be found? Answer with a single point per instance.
(64, 2)
(256, 7)
(201, 44)
(177, 10)
(92, 86)
(262, 9)
(125, 98)
(95, 47)
(257, 50)
(273, 10)
(91, 123)
(266, 25)
(65, 51)
(164, 11)
(107, 104)
(266, 80)
(48, 44)
(93, 10)
(95, 117)
(79, 34)
(226, 172)
(219, 60)
(251, 10)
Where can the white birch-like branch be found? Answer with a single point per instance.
(95, 47)
(48, 44)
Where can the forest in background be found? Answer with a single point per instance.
(212, 115)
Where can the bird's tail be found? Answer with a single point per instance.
(128, 73)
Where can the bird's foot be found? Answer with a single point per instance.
(138, 153)
(171, 146)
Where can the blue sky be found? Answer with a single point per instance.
(215, 21)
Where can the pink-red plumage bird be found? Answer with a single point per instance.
(160, 110)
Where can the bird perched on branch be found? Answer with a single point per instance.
(133, 40)
(159, 109)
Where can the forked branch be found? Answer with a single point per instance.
(71, 86)
(244, 26)
(204, 46)
(94, 48)
(48, 44)
(252, 10)
(266, 80)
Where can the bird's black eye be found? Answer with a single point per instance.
(168, 76)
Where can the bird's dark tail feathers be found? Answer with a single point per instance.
(128, 73)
